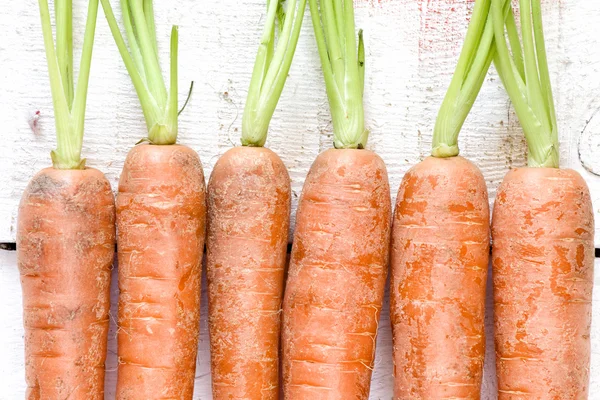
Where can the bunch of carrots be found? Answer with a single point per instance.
(320, 322)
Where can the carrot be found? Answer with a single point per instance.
(160, 216)
(440, 252)
(543, 238)
(543, 232)
(337, 277)
(66, 238)
(440, 247)
(340, 252)
(249, 217)
(161, 224)
(248, 221)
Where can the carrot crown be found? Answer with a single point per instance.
(69, 103)
(524, 73)
(343, 69)
(473, 64)
(141, 60)
(271, 68)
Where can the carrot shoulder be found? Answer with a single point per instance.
(248, 222)
(440, 251)
(65, 243)
(543, 259)
(336, 277)
(161, 221)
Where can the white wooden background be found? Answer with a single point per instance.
(412, 47)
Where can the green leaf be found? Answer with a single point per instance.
(271, 69)
(342, 62)
(473, 63)
(531, 97)
(69, 105)
(158, 105)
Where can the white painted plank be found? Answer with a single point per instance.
(11, 337)
(12, 357)
(412, 48)
(595, 337)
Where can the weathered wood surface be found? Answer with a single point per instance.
(412, 47)
(11, 337)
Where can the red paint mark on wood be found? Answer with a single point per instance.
(34, 123)
(371, 3)
(443, 24)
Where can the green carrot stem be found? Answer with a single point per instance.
(149, 55)
(141, 60)
(271, 69)
(133, 45)
(63, 11)
(149, 14)
(361, 59)
(343, 69)
(69, 103)
(530, 94)
(473, 64)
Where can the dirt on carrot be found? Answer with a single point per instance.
(440, 253)
(65, 245)
(248, 221)
(161, 224)
(336, 278)
(543, 260)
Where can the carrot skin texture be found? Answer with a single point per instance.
(65, 249)
(336, 277)
(249, 201)
(161, 214)
(543, 261)
(439, 261)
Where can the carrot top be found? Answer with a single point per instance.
(141, 60)
(473, 64)
(69, 103)
(271, 68)
(343, 69)
(524, 73)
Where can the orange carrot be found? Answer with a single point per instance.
(161, 214)
(340, 253)
(248, 222)
(440, 252)
(66, 237)
(440, 247)
(543, 277)
(336, 278)
(543, 237)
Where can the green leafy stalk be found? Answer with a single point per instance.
(527, 80)
(474, 62)
(271, 68)
(159, 105)
(343, 69)
(63, 11)
(69, 105)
